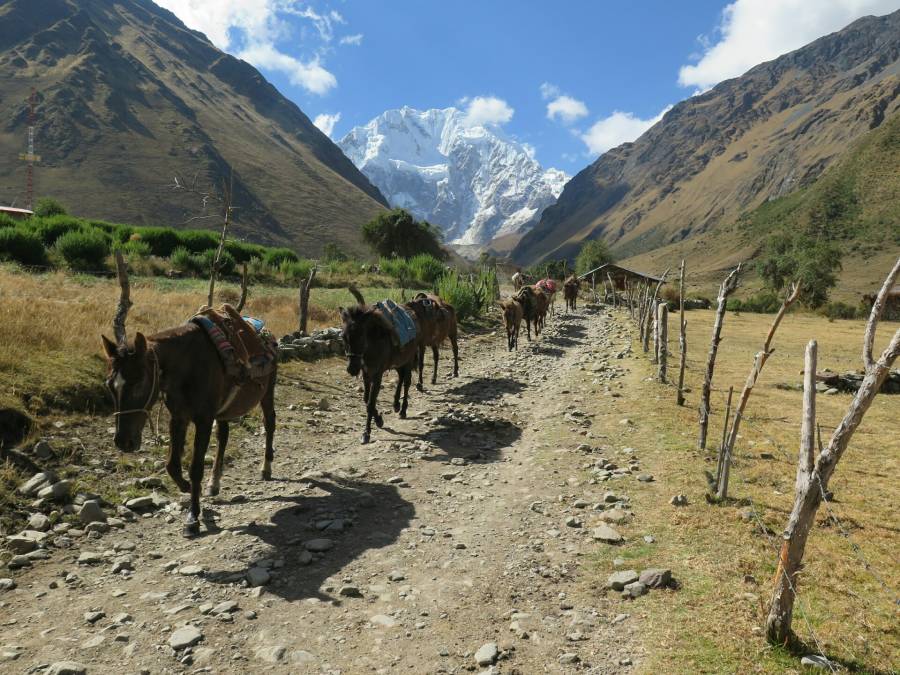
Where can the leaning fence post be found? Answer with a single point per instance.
(723, 467)
(662, 322)
(727, 288)
(812, 478)
(682, 339)
(304, 299)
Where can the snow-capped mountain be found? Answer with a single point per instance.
(468, 180)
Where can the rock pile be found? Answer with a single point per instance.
(322, 343)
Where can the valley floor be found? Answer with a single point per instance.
(471, 531)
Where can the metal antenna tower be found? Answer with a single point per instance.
(29, 156)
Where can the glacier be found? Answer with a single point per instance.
(472, 182)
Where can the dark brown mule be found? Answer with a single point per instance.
(182, 366)
(512, 320)
(437, 323)
(534, 305)
(570, 293)
(369, 343)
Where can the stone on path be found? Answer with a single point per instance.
(618, 580)
(89, 558)
(271, 654)
(66, 668)
(7, 584)
(36, 483)
(184, 637)
(679, 500)
(319, 545)
(634, 590)
(487, 654)
(656, 577)
(605, 533)
(190, 570)
(39, 522)
(816, 661)
(91, 513)
(258, 576)
(383, 621)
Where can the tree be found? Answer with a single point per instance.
(593, 254)
(397, 234)
(814, 263)
(333, 253)
(47, 206)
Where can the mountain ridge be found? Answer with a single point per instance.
(721, 153)
(128, 97)
(469, 180)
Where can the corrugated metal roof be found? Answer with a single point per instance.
(609, 267)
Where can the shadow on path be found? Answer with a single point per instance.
(487, 388)
(363, 516)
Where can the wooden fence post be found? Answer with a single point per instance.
(651, 309)
(240, 306)
(655, 358)
(304, 299)
(720, 461)
(812, 478)
(682, 339)
(662, 322)
(727, 288)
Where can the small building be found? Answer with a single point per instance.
(619, 275)
(17, 214)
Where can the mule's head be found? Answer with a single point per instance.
(133, 381)
(354, 332)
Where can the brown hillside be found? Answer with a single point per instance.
(129, 97)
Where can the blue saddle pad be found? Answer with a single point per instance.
(403, 323)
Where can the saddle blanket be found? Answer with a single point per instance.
(547, 285)
(258, 365)
(403, 323)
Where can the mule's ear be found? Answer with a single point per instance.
(140, 344)
(109, 347)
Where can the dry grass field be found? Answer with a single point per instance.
(725, 555)
(50, 326)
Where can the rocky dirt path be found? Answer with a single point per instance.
(461, 539)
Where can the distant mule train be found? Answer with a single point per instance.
(220, 365)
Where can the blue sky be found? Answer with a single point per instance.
(571, 79)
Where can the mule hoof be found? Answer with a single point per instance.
(191, 530)
(211, 491)
(185, 486)
(396, 406)
(379, 421)
(434, 380)
(365, 438)
(419, 387)
(402, 414)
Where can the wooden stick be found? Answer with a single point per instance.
(663, 342)
(124, 301)
(304, 299)
(720, 462)
(243, 300)
(682, 339)
(758, 363)
(812, 484)
(727, 288)
(725, 455)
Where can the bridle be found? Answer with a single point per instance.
(154, 390)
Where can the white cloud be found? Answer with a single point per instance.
(567, 109)
(253, 29)
(326, 122)
(484, 110)
(549, 91)
(354, 40)
(311, 75)
(620, 127)
(753, 31)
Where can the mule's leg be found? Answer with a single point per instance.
(177, 432)
(268, 407)
(397, 391)
(434, 356)
(367, 387)
(212, 487)
(420, 363)
(371, 410)
(406, 376)
(455, 346)
(202, 432)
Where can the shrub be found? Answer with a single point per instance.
(198, 241)
(333, 253)
(764, 302)
(788, 256)
(592, 255)
(184, 261)
(275, 256)
(294, 270)
(47, 206)
(83, 250)
(205, 261)
(398, 268)
(6, 221)
(397, 233)
(425, 268)
(22, 246)
(135, 248)
(51, 228)
(843, 310)
(243, 252)
(462, 294)
(162, 240)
